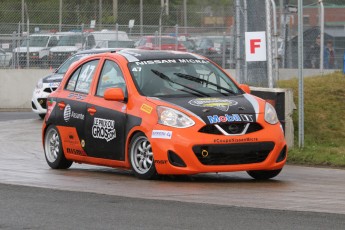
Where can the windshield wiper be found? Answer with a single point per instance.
(165, 77)
(198, 80)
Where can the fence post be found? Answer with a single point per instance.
(176, 34)
(322, 34)
(238, 40)
(269, 44)
(245, 71)
(275, 35)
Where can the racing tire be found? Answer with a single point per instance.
(141, 157)
(53, 151)
(264, 174)
(42, 115)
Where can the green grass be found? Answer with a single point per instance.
(324, 120)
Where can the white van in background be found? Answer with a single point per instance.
(69, 44)
(39, 45)
(112, 39)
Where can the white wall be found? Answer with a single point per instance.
(17, 85)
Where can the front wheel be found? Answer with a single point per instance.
(264, 174)
(53, 150)
(141, 157)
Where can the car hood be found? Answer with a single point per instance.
(55, 77)
(64, 49)
(213, 110)
(31, 49)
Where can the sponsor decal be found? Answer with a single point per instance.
(68, 114)
(75, 152)
(217, 103)
(77, 96)
(161, 162)
(233, 140)
(103, 129)
(146, 108)
(230, 118)
(54, 78)
(167, 61)
(161, 134)
(54, 84)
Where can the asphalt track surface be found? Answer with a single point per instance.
(33, 196)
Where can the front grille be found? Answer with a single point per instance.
(49, 90)
(231, 128)
(233, 154)
(42, 102)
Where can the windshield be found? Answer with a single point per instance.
(70, 40)
(36, 41)
(181, 78)
(64, 67)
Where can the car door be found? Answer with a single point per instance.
(105, 121)
(72, 101)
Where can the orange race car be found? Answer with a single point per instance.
(160, 112)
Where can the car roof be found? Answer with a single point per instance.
(135, 55)
(97, 51)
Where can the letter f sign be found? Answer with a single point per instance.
(255, 43)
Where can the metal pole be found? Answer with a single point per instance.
(275, 35)
(238, 40)
(27, 37)
(117, 33)
(115, 9)
(185, 16)
(300, 77)
(176, 34)
(223, 50)
(60, 16)
(245, 6)
(100, 10)
(23, 16)
(141, 18)
(269, 44)
(322, 34)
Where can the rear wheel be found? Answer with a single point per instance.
(264, 174)
(53, 150)
(141, 157)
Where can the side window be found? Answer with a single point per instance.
(85, 77)
(52, 42)
(111, 77)
(81, 79)
(73, 80)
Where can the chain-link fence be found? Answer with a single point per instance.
(212, 28)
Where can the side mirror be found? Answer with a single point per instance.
(245, 88)
(114, 94)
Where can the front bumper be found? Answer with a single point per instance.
(195, 152)
(39, 98)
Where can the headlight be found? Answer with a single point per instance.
(39, 84)
(171, 117)
(270, 114)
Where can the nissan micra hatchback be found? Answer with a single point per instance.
(160, 112)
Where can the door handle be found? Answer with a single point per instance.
(92, 110)
(62, 105)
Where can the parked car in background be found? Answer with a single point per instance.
(39, 46)
(49, 83)
(5, 57)
(214, 47)
(167, 43)
(112, 39)
(70, 43)
(188, 43)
